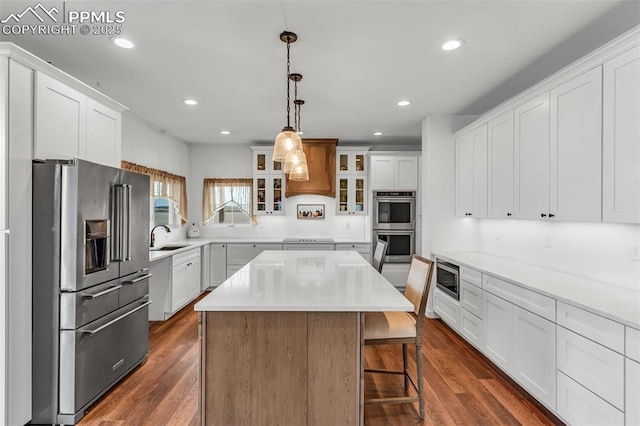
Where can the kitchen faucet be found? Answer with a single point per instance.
(153, 237)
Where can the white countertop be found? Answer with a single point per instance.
(306, 280)
(615, 302)
(192, 243)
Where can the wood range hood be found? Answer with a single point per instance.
(321, 160)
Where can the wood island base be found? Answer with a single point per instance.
(280, 368)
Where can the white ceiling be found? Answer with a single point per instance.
(358, 58)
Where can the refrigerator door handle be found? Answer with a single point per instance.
(127, 227)
(120, 223)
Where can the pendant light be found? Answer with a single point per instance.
(288, 139)
(295, 162)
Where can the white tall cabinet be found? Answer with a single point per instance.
(44, 113)
(16, 118)
(621, 138)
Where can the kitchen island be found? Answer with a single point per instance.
(281, 340)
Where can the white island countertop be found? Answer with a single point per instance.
(306, 280)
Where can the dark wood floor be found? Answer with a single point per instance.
(461, 387)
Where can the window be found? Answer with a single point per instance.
(168, 195)
(227, 202)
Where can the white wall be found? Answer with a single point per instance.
(233, 161)
(599, 251)
(144, 145)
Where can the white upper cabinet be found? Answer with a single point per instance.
(531, 154)
(394, 172)
(70, 124)
(471, 173)
(500, 166)
(576, 149)
(268, 183)
(104, 133)
(621, 138)
(60, 121)
(351, 162)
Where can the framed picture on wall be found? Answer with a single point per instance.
(310, 211)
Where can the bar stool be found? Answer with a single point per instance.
(379, 255)
(383, 328)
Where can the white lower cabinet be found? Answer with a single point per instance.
(471, 328)
(497, 330)
(594, 366)
(185, 278)
(239, 254)
(218, 264)
(534, 356)
(578, 406)
(632, 403)
(471, 298)
(175, 282)
(448, 309)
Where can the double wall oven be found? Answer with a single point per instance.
(394, 221)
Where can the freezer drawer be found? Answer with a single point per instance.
(133, 287)
(96, 356)
(81, 307)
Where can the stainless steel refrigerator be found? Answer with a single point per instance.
(90, 284)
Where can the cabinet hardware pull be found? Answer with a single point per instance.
(508, 214)
(551, 215)
(543, 215)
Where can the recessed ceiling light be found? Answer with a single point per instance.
(123, 42)
(190, 102)
(403, 103)
(225, 132)
(377, 134)
(452, 44)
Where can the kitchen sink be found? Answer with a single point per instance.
(167, 248)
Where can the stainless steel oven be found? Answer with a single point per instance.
(447, 278)
(394, 210)
(401, 246)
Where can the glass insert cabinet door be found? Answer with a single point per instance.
(277, 191)
(268, 196)
(263, 163)
(351, 163)
(261, 195)
(352, 195)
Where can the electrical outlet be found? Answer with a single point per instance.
(635, 252)
(548, 241)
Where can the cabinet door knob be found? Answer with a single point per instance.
(551, 215)
(508, 214)
(543, 215)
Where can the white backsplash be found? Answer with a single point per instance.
(332, 226)
(599, 251)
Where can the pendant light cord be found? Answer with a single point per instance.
(288, 85)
